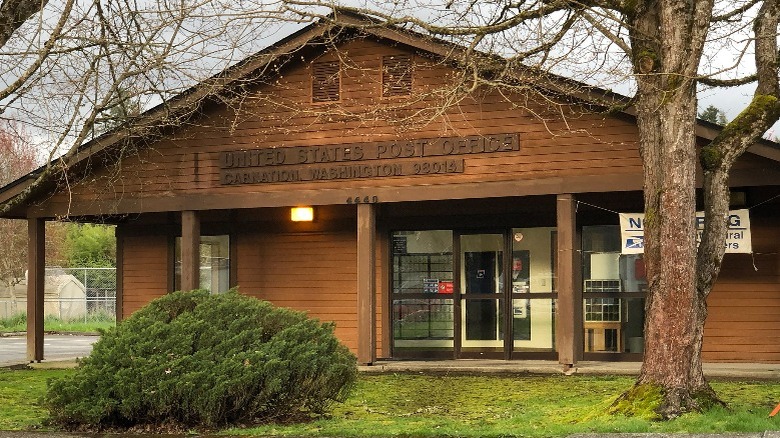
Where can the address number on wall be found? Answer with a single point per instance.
(363, 200)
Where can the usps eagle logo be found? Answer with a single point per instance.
(635, 242)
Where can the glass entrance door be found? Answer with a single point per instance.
(482, 294)
(506, 293)
(487, 294)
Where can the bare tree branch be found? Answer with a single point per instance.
(520, 16)
(719, 156)
(607, 33)
(736, 12)
(44, 53)
(14, 13)
(725, 83)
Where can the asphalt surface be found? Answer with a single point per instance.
(13, 349)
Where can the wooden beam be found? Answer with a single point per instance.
(569, 329)
(36, 277)
(120, 264)
(506, 292)
(386, 302)
(366, 283)
(190, 250)
(285, 195)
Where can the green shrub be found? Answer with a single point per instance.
(191, 359)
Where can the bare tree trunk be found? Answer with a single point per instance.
(675, 312)
(667, 39)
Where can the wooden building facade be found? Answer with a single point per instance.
(444, 224)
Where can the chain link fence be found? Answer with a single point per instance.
(70, 294)
(99, 288)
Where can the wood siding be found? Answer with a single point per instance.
(743, 324)
(311, 272)
(556, 141)
(145, 265)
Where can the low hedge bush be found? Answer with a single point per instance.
(190, 359)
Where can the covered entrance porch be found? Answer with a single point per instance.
(498, 278)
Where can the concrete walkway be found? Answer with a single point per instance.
(718, 370)
(748, 371)
(62, 350)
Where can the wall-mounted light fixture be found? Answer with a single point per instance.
(302, 214)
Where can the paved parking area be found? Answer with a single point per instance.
(13, 349)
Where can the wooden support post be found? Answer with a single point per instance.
(569, 331)
(190, 250)
(120, 269)
(385, 303)
(366, 283)
(36, 277)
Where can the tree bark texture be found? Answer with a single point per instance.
(667, 41)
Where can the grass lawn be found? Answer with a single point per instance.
(91, 324)
(19, 394)
(469, 406)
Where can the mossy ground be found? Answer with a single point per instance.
(470, 406)
(640, 401)
(529, 406)
(651, 402)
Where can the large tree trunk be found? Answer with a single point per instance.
(675, 311)
(667, 40)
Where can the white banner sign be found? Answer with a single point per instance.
(632, 232)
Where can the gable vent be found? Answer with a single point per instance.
(325, 83)
(396, 75)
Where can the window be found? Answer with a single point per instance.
(396, 75)
(422, 289)
(613, 292)
(602, 309)
(214, 263)
(325, 81)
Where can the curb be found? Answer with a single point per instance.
(52, 364)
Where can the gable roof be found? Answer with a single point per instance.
(341, 25)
